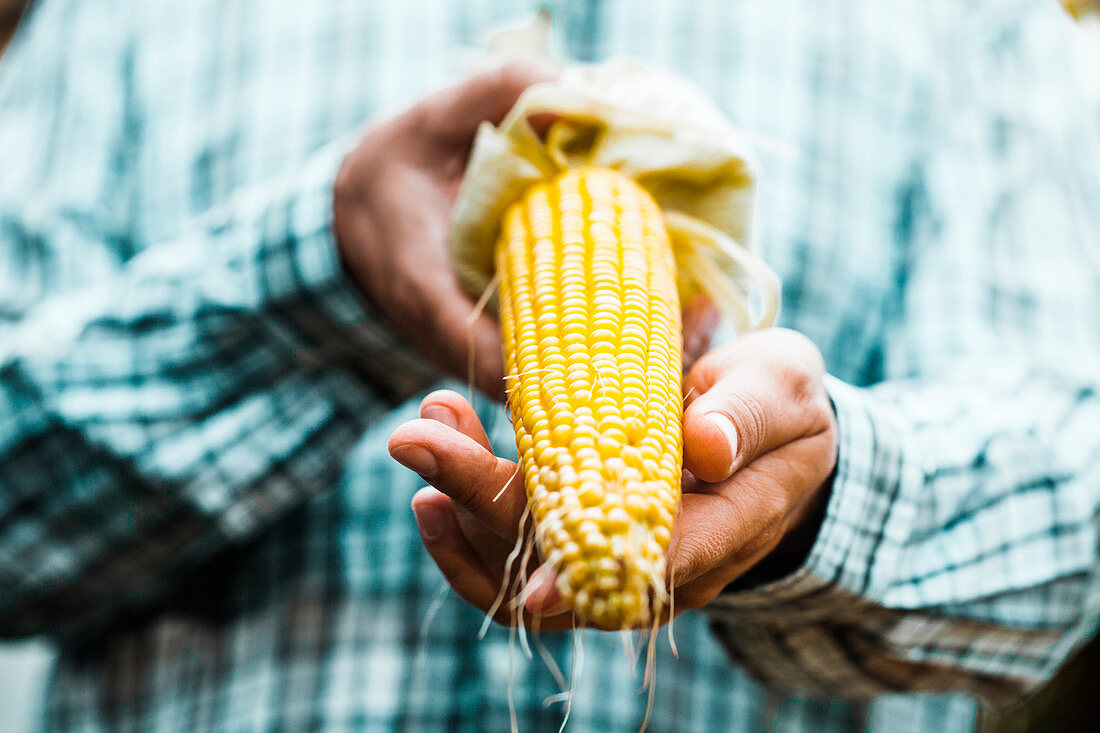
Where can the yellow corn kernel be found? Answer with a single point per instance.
(591, 322)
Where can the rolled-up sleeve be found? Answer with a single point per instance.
(183, 403)
(959, 547)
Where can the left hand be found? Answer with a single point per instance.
(391, 203)
(759, 448)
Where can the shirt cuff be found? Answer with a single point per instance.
(305, 284)
(872, 467)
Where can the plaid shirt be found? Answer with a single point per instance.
(195, 497)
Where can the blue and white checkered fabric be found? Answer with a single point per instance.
(195, 498)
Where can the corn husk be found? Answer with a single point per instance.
(659, 130)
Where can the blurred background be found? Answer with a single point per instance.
(23, 670)
(24, 666)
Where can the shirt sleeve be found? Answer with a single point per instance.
(959, 547)
(183, 404)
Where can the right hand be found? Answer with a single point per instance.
(393, 200)
(756, 487)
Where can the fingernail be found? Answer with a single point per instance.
(724, 424)
(545, 598)
(556, 606)
(418, 458)
(440, 413)
(430, 520)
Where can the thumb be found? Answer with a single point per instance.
(720, 428)
(455, 113)
(755, 397)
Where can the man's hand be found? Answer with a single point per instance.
(393, 199)
(759, 448)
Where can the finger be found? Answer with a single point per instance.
(779, 348)
(730, 526)
(700, 320)
(455, 113)
(704, 589)
(750, 398)
(451, 551)
(452, 409)
(543, 597)
(461, 566)
(489, 487)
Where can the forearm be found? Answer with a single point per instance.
(956, 552)
(182, 405)
(959, 546)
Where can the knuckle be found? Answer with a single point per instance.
(801, 385)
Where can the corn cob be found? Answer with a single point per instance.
(590, 319)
